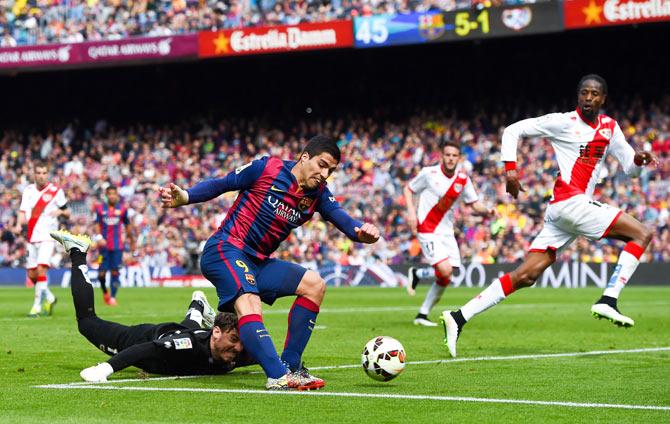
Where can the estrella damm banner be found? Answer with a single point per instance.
(275, 39)
(596, 13)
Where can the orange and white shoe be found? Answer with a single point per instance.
(307, 381)
(295, 380)
(112, 302)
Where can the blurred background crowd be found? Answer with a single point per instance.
(379, 156)
(29, 22)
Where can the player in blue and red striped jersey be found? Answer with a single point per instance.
(275, 196)
(112, 220)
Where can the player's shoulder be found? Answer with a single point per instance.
(606, 120)
(432, 169)
(30, 189)
(559, 117)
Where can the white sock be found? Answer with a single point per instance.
(39, 290)
(428, 272)
(432, 297)
(624, 269)
(49, 295)
(194, 315)
(489, 297)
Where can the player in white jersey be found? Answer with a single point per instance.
(41, 205)
(439, 188)
(581, 139)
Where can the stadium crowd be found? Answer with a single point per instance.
(30, 22)
(378, 159)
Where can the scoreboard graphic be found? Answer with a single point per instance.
(417, 28)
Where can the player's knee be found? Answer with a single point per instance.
(527, 278)
(312, 286)
(85, 327)
(646, 235)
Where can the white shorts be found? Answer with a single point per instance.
(40, 253)
(576, 216)
(437, 248)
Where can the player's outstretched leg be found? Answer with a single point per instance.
(637, 237)
(453, 322)
(82, 290)
(606, 306)
(524, 276)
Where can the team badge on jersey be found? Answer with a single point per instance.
(250, 279)
(458, 187)
(184, 343)
(605, 132)
(305, 203)
(46, 197)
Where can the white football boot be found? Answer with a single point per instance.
(602, 310)
(71, 241)
(451, 332)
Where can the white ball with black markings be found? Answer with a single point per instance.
(383, 358)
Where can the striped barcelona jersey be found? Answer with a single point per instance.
(270, 204)
(580, 148)
(110, 220)
(437, 196)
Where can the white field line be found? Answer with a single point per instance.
(368, 395)
(435, 361)
(363, 309)
(372, 309)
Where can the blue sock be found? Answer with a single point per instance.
(301, 321)
(115, 282)
(102, 276)
(257, 341)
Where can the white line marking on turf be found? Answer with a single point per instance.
(368, 395)
(435, 361)
(362, 309)
(515, 357)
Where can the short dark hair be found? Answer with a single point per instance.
(40, 164)
(111, 187)
(595, 77)
(226, 321)
(449, 143)
(322, 144)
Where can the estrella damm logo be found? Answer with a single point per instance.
(431, 26)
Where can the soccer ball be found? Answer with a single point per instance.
(383, 358)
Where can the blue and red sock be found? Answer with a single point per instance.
(115, 282)
(257, 341)
(301, 321)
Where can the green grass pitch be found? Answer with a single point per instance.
(534, 322)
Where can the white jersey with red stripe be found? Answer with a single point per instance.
(49, 199)
(437, 194)
(580, 147)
